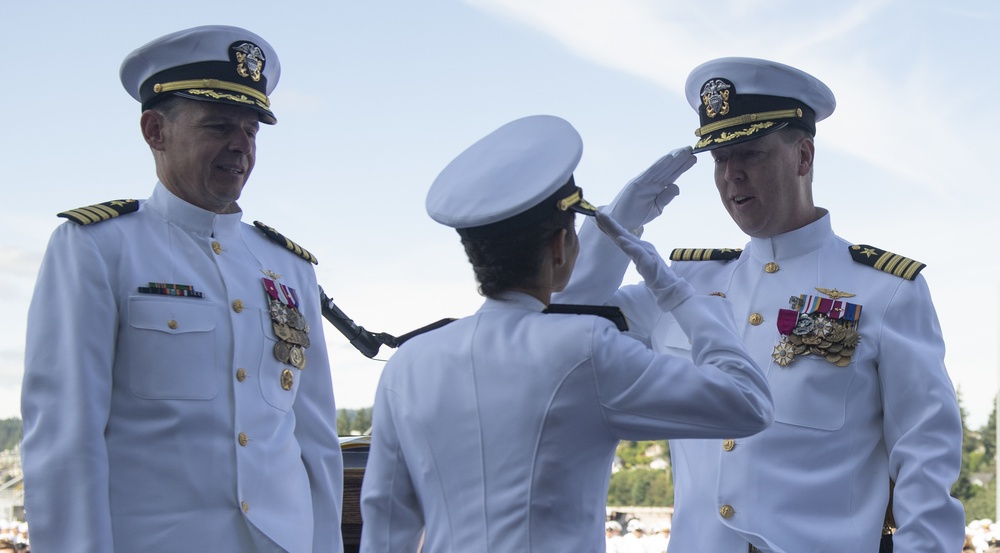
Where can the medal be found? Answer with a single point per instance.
(822, 327)
(290, 327)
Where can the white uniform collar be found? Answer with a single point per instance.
(190, 217)
(513, 300)
(794, 243)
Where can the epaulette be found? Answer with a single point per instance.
(100, 212)
(703, 254)
(280, 238)
(609, 312)
(888, 262)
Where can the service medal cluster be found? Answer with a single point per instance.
(824, 327)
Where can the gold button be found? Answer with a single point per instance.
(217, 248)
(726, 511)
(756, 319)
(287, 379)
(243, 439)
(771, 267)
(241, 375)
(246, 507)
(238, 306)
(728, 445)
(172, 324)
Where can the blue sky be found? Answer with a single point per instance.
(376, 97)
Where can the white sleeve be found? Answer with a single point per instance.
(922, 423)
(66, 396)
(390, 510)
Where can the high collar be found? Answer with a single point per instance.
(190, 217)
(794, 243)
(513, 300)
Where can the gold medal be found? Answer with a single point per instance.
(297, 357)
(282, 332)
(784, 352)
(282, 350)
(287, 379)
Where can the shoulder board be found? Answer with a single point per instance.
(703, 254)
(280, 239)
(888, 262)
(609, 312)
(100, 212)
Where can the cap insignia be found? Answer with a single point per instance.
(249, 60)
(715, 96)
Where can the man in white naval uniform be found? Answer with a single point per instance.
(177, 387)
(847, 333)
(496, 433)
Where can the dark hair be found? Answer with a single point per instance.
(513, 259)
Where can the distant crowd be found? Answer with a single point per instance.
(14, 537)
(982, 536)
(636, 537)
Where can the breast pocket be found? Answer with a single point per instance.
(172, 349)
(811, 392)
(279, 382)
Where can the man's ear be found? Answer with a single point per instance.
(807, 149)
(153, 124)
(559, 248)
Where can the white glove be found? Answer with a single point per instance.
(645, 196)
(669, 289)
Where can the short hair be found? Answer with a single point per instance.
(513, 259)
(169, 106)
(794, 133)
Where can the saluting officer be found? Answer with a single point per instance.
(496, 432)
(177, 387)
(847, 333)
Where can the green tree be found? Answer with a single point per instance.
(344, 420)
(10, 433)
(633, 454)
(641, 487)
(963, 489)
(362, 420)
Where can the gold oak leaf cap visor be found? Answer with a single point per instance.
(515, 176)
(739, 99)
(212, 63)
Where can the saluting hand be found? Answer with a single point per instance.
(668, 288)
(645, 196)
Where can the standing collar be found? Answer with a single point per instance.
(793, 243)
(513, 300)
(191, 217)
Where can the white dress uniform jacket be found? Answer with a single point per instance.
(497, 432)
(817, 480)
(153, 422)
